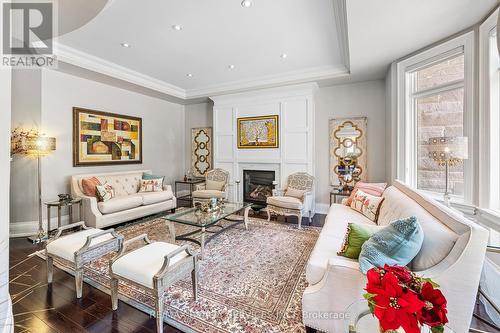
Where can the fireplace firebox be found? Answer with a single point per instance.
(257, 185)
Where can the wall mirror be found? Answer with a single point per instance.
(347, 151)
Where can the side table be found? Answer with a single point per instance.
(187, 197)
(60, 204)
(335, 193)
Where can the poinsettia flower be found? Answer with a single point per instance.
(402, 273)
(396, 307)
(374, 285)
(434, 311)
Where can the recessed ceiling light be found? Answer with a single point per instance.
(177, 27)
(230, 66)
(125, 44)
(284, 55)
(189, 75)
(246, 3)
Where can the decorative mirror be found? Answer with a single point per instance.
(347, 151)
(201, 151)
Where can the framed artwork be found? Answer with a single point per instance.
(258, 132)
(103, 138)
(201, 151)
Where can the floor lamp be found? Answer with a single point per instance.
(448, 151)
(30, 143)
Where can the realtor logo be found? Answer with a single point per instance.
(28, 30)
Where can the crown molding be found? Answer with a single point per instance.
(340, 12)
(270, 81)
(81, 59)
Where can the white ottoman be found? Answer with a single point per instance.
(154, 267)
(79, 248)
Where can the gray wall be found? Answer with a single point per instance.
(196, 115)
(350, 100)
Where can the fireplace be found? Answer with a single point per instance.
(257, 185)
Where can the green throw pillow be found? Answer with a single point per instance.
(356, 235)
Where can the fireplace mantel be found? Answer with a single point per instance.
(295, 107)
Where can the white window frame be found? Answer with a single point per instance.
(485, 116)
(406, 121)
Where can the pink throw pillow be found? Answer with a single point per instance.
(375, 189)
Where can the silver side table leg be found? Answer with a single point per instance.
(202, 244)
(245, 220)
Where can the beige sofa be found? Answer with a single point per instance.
(452, 254)
(127, 205)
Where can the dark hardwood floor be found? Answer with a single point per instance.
(40, 308)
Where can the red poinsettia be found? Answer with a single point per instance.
(434, 311)
(399, 298)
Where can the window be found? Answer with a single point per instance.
(435, 100)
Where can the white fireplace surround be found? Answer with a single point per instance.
(295, 107)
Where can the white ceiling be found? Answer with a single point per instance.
(330, 41)
(214, 35)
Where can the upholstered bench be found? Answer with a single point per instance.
(79, 248)
(153, 267)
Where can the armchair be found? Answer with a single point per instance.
(215, 186)
(295, 199)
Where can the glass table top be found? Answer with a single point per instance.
(192, 217)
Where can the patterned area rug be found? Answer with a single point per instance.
(250, 281)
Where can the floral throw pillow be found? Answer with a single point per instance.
(376, 189)
(366, 204)
(104, 192)
(151, 185)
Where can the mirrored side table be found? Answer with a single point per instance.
(60, 205)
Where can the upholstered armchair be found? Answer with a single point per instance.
(215, 186)
(295, 199)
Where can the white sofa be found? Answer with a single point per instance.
(452, 255)
(127, 205)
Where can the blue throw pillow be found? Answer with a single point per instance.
(148, 176)
(396, 244)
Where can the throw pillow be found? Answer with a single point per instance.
(151, 185)
(150, 176)
(355, 237)
(214, 185)
(366, 204)
(396, 244)
(104, 192)
(376, 189)
(89, 186)
(292, 192)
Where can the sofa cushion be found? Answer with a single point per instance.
(366, 204)
(142, 264)
(285, 202)
(376, 189)
(119, 204)
(396, 244)
(330, 240)
(66, 246)
(439, 239)
(124, 184)
(151, 185)
(88, 186)
(355, 237)
(214, 185)
(104, 192)
(149, 198)
(207, 194)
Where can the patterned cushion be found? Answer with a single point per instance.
(151, 185)
(124, 184)
(89, 186)
(396, 244)
(367, 204)
(104, 192)
(150, 176)
(214, 185)
(292, 192)
(376, 189)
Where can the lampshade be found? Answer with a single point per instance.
(38, 145)
(449, 148)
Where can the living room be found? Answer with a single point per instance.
(250, 166)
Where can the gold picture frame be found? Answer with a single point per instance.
(104, 138)
(258, 132)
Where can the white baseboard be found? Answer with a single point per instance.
(29, 228)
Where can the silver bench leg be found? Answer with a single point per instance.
(194, 278)
(50, 269)
(79, 282)
(114, 293)
(159, 311)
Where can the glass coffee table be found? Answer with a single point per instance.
(207, 223)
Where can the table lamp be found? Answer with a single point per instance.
(448, 151)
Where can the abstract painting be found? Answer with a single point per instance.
(103, 138)
(258, 132)
(201, 151)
